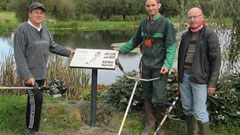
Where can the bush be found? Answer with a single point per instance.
(88, 17)
(119, 93)
(116, 18)
(169, 8)
(140, 17)
(86, 93)
(64, 10)
(224, 104)
(21, 9)
(130, 18)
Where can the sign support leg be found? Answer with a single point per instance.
(94, 98)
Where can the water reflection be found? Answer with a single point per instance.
(93, 39)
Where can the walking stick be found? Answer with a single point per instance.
(137, 79)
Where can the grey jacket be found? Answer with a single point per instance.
(31, 48)
(206, 61)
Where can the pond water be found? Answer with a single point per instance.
(100, 40)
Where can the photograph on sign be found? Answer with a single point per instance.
(94, 58)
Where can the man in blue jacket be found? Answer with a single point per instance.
(198, 70)
(32, 43)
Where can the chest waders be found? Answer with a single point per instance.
(149, 40)
(137, 79)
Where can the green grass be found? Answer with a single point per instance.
(8, 17)
(136, 123)
(12, 119)
(13, 111)
(90, 25)
(12, 114)
(8, 22)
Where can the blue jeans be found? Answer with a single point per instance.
(194, 97)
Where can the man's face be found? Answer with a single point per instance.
(152, 7)
(195, 18)
(36, 16)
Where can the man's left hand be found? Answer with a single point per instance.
(164, 70)
(72, 53)
(211, 90)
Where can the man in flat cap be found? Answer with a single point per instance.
(32, 43)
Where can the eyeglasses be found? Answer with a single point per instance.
(194, 17)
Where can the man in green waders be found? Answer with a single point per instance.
(156, 35)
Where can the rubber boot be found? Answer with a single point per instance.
(150, 124)
(31, 132)
(160, 111)
(42, 133)
(203, 127)
(191, 124)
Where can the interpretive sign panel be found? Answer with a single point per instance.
(94, 58)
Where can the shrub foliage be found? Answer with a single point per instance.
(223, 105)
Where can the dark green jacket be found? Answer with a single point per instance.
(162, 53)
(206, 61)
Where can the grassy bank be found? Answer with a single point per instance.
(90, 25)
(8, 23)
(57, 118)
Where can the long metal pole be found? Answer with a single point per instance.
(16, 88)
(165, 117)
(129, 104)
(94, 98)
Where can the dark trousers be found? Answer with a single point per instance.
(34, 107)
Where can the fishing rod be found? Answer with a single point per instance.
(55, 88)
(137, 78)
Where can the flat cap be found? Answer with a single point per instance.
(36, 5)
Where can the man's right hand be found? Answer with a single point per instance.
(30, 81)
(118, 49)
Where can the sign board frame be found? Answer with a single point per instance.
(94, 59)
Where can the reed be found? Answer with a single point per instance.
(58, 68)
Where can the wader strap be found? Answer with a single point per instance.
(155, 27)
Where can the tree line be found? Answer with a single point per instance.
(74, 10)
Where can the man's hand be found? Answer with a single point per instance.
(30, 81)
(118, 49)
(72, 53)
(164, 70)
(211, 90)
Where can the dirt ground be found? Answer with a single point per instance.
(108, 119)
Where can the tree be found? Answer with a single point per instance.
(81, 7)
(169, 8)
(4, 5)
(63, 10)
(21, 9)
